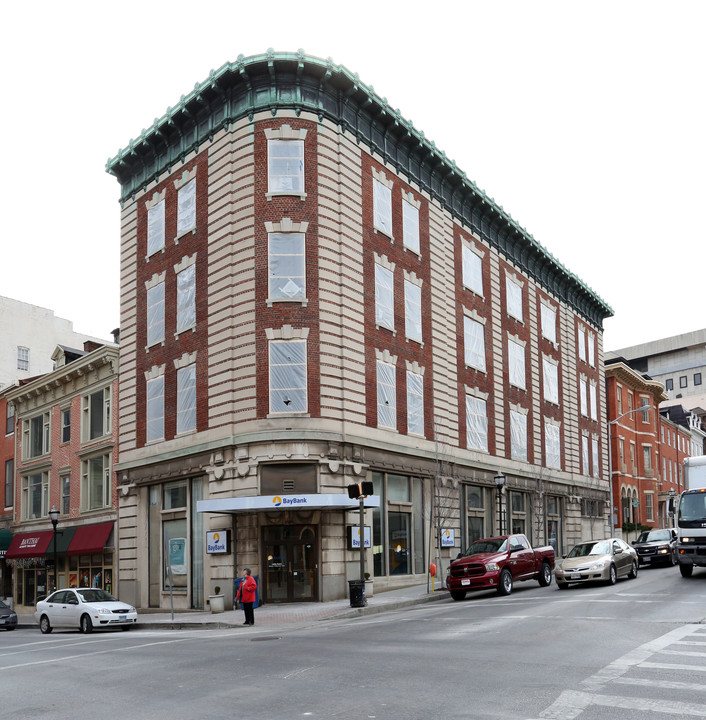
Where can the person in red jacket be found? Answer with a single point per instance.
(246, 595)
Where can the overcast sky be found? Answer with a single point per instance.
(585, 121)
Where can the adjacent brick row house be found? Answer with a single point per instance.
(312, 295)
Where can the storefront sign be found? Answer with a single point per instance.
(218, 542)
(177, 555)
(354, 538)
(447, 538)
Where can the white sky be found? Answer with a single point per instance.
(584, 120)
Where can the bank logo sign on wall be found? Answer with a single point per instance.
(217, 543)
(277, 501)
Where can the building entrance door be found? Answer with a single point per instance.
(291, 555)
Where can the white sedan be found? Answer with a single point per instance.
(85, 609)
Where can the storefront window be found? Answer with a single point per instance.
(479, 508)
(399, 542)
(398, 488)
(518, 519)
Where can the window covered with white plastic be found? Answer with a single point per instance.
(155, 314)
(584, 455)
(387, 395)
(474, 343)
(582, 344)
(410, 226)
(518, 435)
(472, 270)
(286, 266)
(288, 376)
(186, 299)
(476, 423)
(514, 298)
(415, 403)
(550, 373)
(594, 453)
(384, 297)
(552, 445)
(155, 228)
(186, 399)
(413, 311)
(591, 350)
(382, 207)
(516, 364)
(186, 208)
(155, 409)
(593, 401)
(285, 164)
(548, 323)
(583, 389)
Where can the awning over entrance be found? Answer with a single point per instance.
(334, 501)
(5, 540)
(90, 539)
(29, 545)
(64, 536)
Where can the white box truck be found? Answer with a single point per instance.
(691, 517)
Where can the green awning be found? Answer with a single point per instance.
(5, 540)
(64, 536)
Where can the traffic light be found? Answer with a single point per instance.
(363, 489)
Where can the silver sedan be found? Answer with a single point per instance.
(597, 561)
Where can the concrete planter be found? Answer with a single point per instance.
(368, 588)
(216, 603)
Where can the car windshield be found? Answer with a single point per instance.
(692, 507)
(487, 546)
(2, 605)
(602, 547)
(96, 595)
(654, 536)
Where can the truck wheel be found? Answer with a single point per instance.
(612, 575)
(458, 594)
(505, 586)
(545, 575)
(686, 570)
(633, 571)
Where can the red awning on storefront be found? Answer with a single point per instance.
(27, 545)
(90, 539)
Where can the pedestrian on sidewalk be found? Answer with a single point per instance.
(246, 595)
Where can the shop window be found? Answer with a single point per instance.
(479, 508)
(174, 495)
(96, 414)
(518, 512)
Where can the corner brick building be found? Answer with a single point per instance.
(314, 295)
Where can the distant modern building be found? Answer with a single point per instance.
(678, 362)
(62, 431)
(28, 336)
(314, 295)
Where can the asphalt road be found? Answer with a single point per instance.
(635, 650)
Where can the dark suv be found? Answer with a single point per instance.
(657, 546)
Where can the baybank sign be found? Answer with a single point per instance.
(217, 542)
(255, 503)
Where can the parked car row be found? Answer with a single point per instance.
(498, 562)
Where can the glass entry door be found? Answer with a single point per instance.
(291, 557)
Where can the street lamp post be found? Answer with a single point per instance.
(54, 517)
(499, 483)
(642, 409)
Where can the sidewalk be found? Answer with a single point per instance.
(272, 615)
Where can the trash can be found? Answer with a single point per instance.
(236, 587)
(356, 592)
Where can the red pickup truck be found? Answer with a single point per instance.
(496, 563)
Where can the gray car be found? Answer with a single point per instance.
(8, 617)
(597, 561)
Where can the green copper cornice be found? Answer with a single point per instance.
(295, 81)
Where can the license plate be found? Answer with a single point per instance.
(575, 576)
(465, 582)
(122, 617)
(645, 559)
